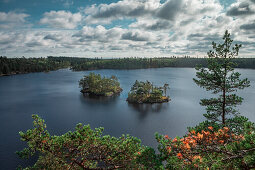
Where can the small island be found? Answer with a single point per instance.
(146, 92)
(94, 84)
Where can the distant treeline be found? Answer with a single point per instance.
(10, 66)
(142, 63)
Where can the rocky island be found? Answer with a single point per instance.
(146, 92)
(94, 84)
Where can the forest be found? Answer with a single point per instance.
(143, 63)
(10, 66)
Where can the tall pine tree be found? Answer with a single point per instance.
(220, 78)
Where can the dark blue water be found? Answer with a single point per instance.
(56, 98)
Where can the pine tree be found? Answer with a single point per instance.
(220, 78)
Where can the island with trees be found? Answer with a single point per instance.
(94, 84)
(146, 92)
(225, 140)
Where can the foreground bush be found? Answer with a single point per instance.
(84, 148)
(212, 147)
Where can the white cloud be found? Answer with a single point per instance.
(61, 19)
(105, 13)
(12, 20)
(182, 27)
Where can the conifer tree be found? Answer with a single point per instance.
(220, 78)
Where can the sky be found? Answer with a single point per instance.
(123, 28)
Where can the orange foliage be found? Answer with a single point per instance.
(189, 147)
(179, 155)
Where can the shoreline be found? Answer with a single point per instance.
(12, 74)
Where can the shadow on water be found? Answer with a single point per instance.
(145, 109)
(96, 100)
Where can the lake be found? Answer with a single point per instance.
(56, 97)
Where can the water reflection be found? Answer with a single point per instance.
(95, 100)
(145, 109)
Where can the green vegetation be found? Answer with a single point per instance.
(82, 149)
(146, 92)
(143, 63)
(10, 66)
(221, 78)
(209, 148)
(213, 144)
(100, 86)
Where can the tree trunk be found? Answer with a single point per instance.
(223, 106)
(224, 92)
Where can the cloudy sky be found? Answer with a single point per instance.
(123, 28)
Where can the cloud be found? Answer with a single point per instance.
(154, 28)
(170, 9)
(99, 34)
(134, 36)
(105, 13)
(12, 20)
(248, 26)
(61, 19)
(151, 25)
(242, 8)
(53, 37)
(34, 44)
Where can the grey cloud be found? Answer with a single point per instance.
(34, 44)
(252, 36)
(245, 43)
(120, 11)
(241, 10)
(134, 36)
(215, 38)
(248, 26)
(159, 25)
(152, 43)
(200, 46)
(52, 37)
(6, 40)
(196, 35)
(152, 26)
(115, 48)
(133, 9)
(85, 37)
(170, 9)
(68, 46)
(99, 34)
(186, 22)
(204, 36)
